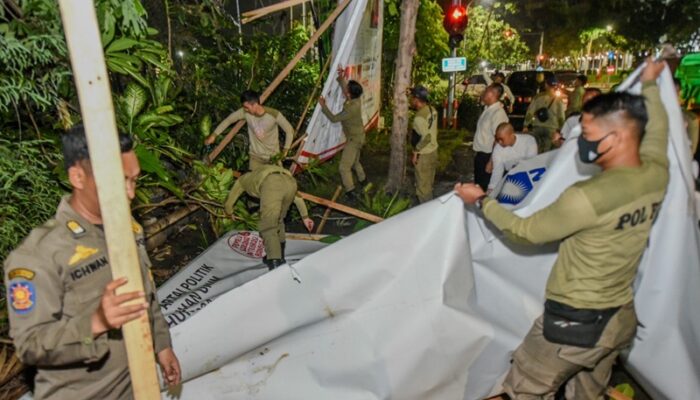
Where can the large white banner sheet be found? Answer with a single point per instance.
(431, 303)
(357, 47)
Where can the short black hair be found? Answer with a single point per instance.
(499, 75)
(583, 79)
(631, 105)
(250, 96)
(498, 88)
(355, 89)
(75, 147)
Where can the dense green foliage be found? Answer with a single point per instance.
(168, 107)
(490, 38)
(28, 188)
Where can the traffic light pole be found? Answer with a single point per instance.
(451, 93)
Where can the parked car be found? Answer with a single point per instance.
(524, 85)
(475, 85)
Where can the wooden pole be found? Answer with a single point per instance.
(92, 83)
(328, 210)
(340, 207)
(250, 16)
(282, 75)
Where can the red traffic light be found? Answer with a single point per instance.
(456, 19)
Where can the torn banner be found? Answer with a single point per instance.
(430, 304)
(357, 46)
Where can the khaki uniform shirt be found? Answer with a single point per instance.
(425, 123)
(251, 183)
(263, 131)
(603, 222)
(350, 118)
(55, 280)
(556, 111)
(575, 101)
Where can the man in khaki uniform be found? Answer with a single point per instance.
(543, 128)
(603, 224)
(65, 317)
(276, 188)
(424, 140)
(576, 97)
(263, 133)
(353, 127)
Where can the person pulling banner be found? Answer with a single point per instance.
(589, 311)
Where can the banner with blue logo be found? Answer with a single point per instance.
(430, 304)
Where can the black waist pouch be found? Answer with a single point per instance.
(580, 327)
(415, 138)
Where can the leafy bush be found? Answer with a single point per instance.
(29, 189)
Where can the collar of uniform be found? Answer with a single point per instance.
(65, 213)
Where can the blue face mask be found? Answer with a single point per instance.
(588, 149)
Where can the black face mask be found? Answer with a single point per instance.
(588, 150)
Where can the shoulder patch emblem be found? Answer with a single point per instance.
(136, 227)
(81, 253)
(22, 296)
(22, 273)
(75, 227)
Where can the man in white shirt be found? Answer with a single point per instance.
(493, 115)
(510, 148)
(507, 97)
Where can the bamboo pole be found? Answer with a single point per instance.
(328, 210)
(340, 207)
(282, 75)
(250, 16)
(92, 83)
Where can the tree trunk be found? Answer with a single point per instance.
(404, 64)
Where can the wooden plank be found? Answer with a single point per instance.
(321, 224)
(282, 75)
(340, 207)
(92, 82)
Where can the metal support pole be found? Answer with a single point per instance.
(541, 45)
(451, 91)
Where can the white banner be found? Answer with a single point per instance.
(431, 303)
(357, 46)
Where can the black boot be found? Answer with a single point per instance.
(353, 195)
(274, 263)
(283, 245)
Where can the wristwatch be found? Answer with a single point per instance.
(480, 202)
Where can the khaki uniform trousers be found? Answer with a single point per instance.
(543, 135)
(276, 195)
(425, 175)
(350, 160)
(540, 367)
